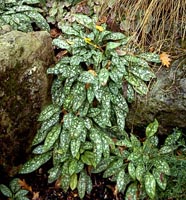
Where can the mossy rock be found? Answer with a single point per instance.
(24, 90)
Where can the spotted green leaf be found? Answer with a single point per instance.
(35, 163)
(140, 170)
(138, 85)
(130, 93)
(5, 190)
(134, 141)
(120, 180)
(62, 44)
(132, 170)
(144, 73)
(103, 76)
(132, 192)
(89, 185)
(48, 112)
(39, 137)
(82, 184)
(46, 125)
(160, 178)
(75, 146)
(103, 165)
(64, 141)
(120, 116)
(114, 36)
(14, 185)
(84, 20)
(65, 182)
(150, 185)
(54, 173)
(112, 45)
(125, 143)
(72, 166)
(20, 194)
(79, 93)
(105, 147)
(116, 75)
(173, 138)
(90, 94)
(73, 181)
(151, 129)
(68, 30)
(98, 148)
(150, 57)
(135, 60)
(38, 19)
(88, 158)
(120, 102)
(113, 168)
(87, 77)
(162, 166)
(52, 136)
(134, 156)
(165, 149)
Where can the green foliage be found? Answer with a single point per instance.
(14, 191)
(83, 128)
(21, 14)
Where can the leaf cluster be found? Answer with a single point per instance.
(79, 129)
(20, 15)
(14, 191)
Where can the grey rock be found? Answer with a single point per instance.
(24, 86)
(166, 100)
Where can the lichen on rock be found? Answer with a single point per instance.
(24, 87)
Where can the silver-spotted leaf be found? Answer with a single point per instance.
(62, 44)
(150, 185)
(125, 143)
(140, 170)
(138, 85)
(103, 76)
(173, 138)
(112, 45)
(98, 148)
(48, 124)
(90, 94)
(65, 182)
(72, 166)
(166, 149)
(68, 30)
(89, 185)
(103, 165)
(151, 129)
(48, 112)
(35, 163)
(121, 180)
(82, 184)
(114, 36)
(162, 166)
(64, 141)
(14, 185)
(38, 19)
(132, 192)
(52, 137)
(5, 190)
(144, 73)
(84, 20)
(20, 194)
(160, 178)
(75, 146)
(54, 173)
(39, 137)
(132, 170)
(87, 77)
(150, 57)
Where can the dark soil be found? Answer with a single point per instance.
(103, 189)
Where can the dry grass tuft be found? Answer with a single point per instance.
(157, 23)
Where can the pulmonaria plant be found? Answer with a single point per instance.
(88, 107)
(21, 14)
